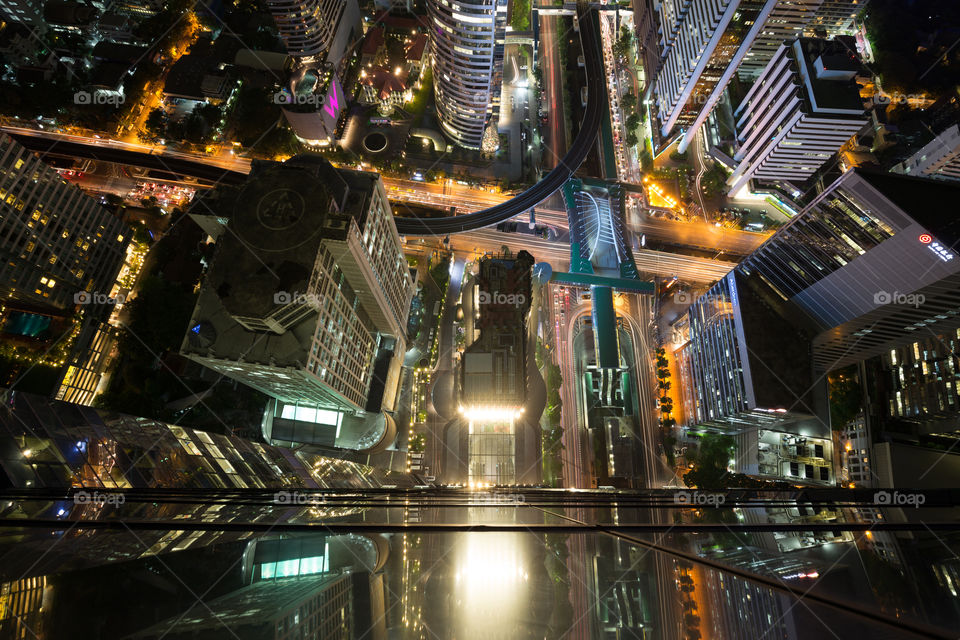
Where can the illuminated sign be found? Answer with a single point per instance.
(942, 252)
(332, 107)
(926, 238)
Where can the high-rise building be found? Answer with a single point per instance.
(803, 108)
(493, 367)
(872, 260)
(466, 42)
(741, 378)
(836, 17)
(28, 12)
(59, 246)
(867, 273)
(940, 158)
(914, 390)
(317, 29)
(786, 22)
(704, 41)
(307, 299)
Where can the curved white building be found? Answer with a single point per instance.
(311, 28)
(467, 47)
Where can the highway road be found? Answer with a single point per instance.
(555, 142)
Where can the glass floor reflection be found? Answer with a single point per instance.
(451, 563)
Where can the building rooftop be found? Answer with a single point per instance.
(829, 70)
(116, 52)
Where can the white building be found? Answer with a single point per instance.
(703, 43)
(940, 158)
(316, 29)
(466, 42)
(786, 22)
(307, 296)
(801, 111)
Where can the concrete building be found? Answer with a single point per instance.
(493, 366)
(306, 300)
(940, 158)
(742, 379)
(872, 260)
(59, 246)
(703, 43)
(787, 21)
(803, 108)
(836, 18)
(317, 30)
(467, 43)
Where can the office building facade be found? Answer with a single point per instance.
(466, 43)
(739, 379)
(494, 367)
(836, 17)
(786, 22)
(704, 43)
(939, 158)
(872, 260)
(308, 294)
(803, 108)
(313, 29)
(59, 246)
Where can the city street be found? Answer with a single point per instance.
(555, 135)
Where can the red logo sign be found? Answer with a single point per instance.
(926, 238)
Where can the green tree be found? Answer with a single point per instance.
(845, 397)
(155, 126)
(628, 102)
